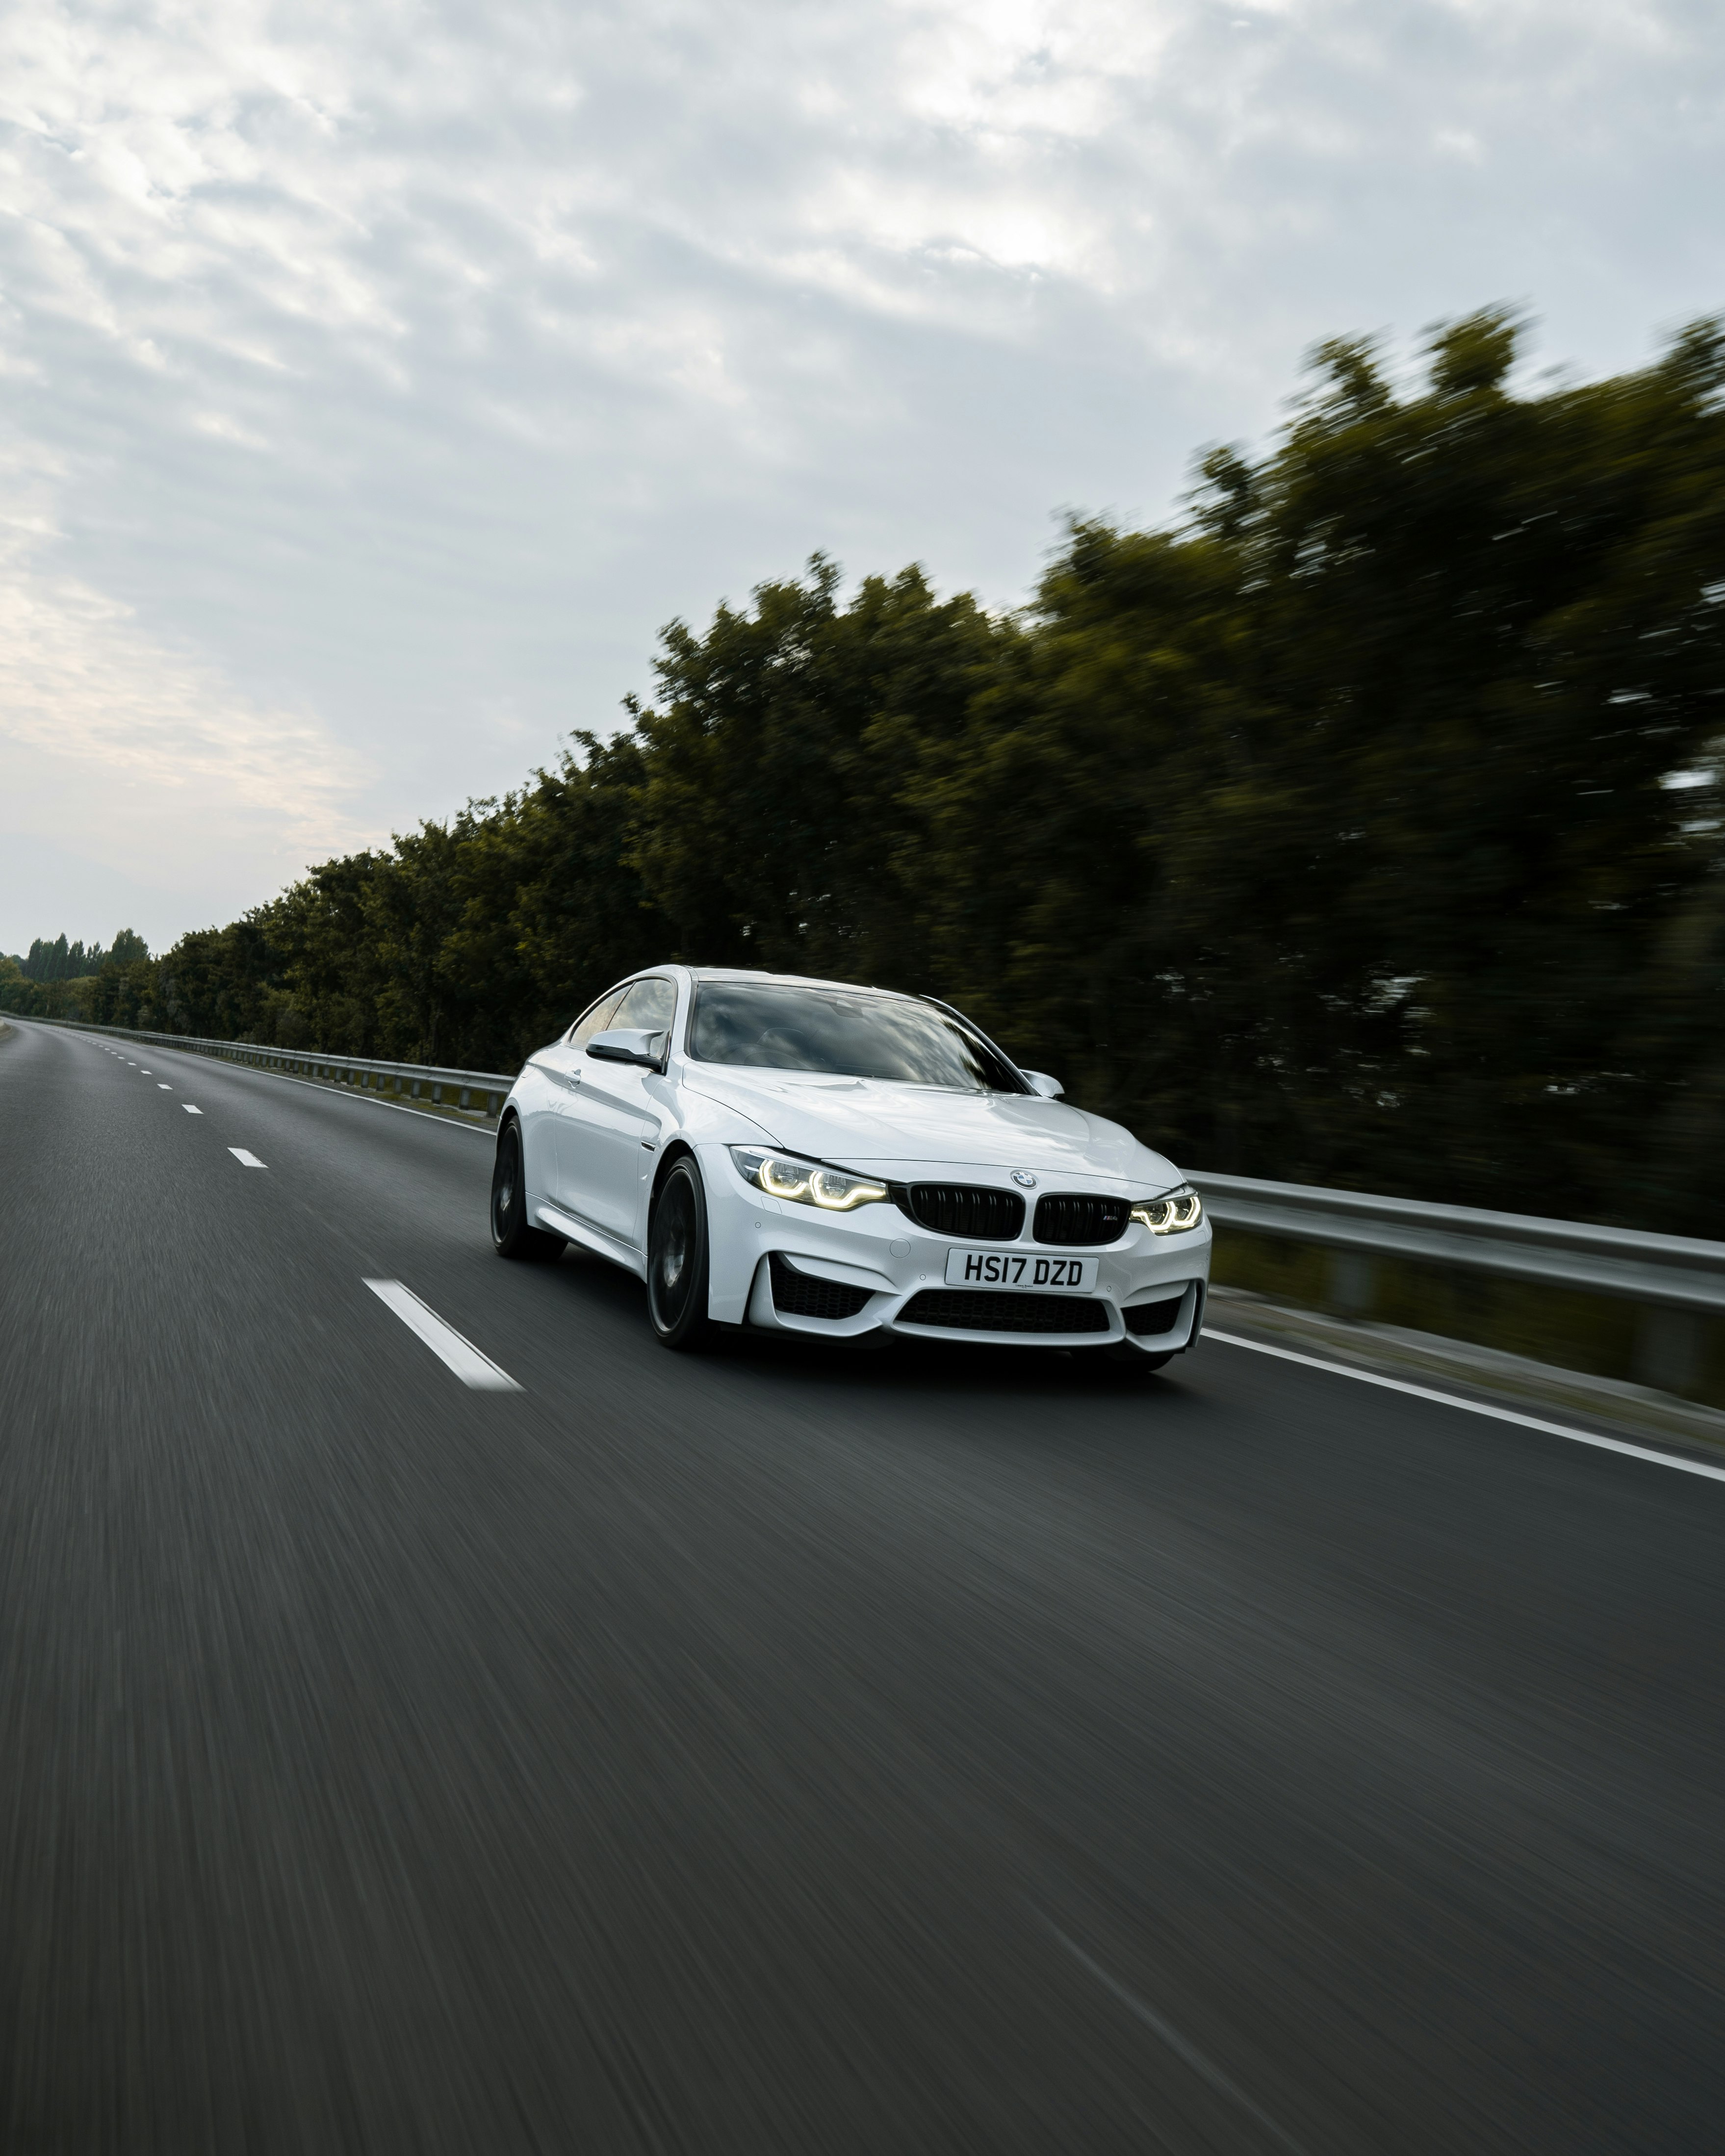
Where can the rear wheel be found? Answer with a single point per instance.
(511, 1233)
(677, 1259)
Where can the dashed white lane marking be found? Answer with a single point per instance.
(190, 1109)
(246, 1159)
(147, 1073)
(162, 1085)
(462, 1356)
(1477, 1407)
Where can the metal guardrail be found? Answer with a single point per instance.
(1673, 1272)
(473, 1092)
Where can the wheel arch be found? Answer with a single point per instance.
(511, 1120)
(678, 1149)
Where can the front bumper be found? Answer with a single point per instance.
(895, 1259)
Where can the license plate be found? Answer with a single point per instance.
(1024, 1268)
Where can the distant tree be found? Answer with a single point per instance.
(48, 962)
(127, 949)
(60, 962)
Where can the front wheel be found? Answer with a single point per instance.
(511, 1234)
(677, 1259)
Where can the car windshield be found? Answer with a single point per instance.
(778, 1027)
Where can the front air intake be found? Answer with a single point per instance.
(974, 1310)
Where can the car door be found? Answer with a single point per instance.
(565, 1067)
(612, 1123)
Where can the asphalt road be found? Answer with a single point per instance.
(780, 1751)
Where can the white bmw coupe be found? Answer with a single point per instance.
(810, 1156)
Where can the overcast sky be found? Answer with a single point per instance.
(378, 380)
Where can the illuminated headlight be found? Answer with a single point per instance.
(804, 1183)
(1172, 1213)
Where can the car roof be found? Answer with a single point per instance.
(794, 981)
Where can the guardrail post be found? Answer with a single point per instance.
(1353, 1282)
(1669, 1348)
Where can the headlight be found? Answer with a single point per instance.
(1171, 1214)
(804, 1183)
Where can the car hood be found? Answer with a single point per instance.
(888, 1130)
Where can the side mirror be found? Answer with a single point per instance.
(626, 1046)
(1049, 1089)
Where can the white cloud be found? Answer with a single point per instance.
(402, 365)
(138, 761)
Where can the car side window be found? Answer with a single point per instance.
(650, 1007)
(595, 1019)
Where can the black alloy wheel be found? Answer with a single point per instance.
(677, 1259)
(511, 1234)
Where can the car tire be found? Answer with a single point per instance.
(678, 1258)
(511, 1236)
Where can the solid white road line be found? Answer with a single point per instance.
(399, 1108)
(190, 1109)
(462, 1356)
(246, 1159)
(1476, 1407)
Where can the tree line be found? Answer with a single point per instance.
(1362, 829)
(60, 961)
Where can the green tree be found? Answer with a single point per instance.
(769, 806)
(1411, 880)
(553, 906)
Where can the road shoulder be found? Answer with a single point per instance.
(1605, 1405)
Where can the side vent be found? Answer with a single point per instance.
(1145, 1319)
(798, 1294)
